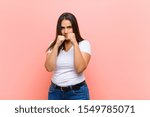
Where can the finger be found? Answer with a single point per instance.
(61, 41)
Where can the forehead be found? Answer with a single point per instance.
(66, 23)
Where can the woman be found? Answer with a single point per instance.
(68, 56)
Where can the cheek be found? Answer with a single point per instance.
(62, 31)
(71, 31)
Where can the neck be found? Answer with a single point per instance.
(68, 44)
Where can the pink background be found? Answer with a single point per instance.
(119, 32)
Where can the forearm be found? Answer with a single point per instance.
(79, 62)
(50, 62)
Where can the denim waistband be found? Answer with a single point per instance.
(67, 88)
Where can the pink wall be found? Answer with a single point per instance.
(117, 29)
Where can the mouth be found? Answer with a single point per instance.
(66, 36)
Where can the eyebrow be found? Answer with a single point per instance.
(67, 27)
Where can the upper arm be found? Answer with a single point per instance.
(49, 50)
(85, 48)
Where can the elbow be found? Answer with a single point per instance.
(49, 68)
(80, 70)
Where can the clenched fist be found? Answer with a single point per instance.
(72, 38)
(60, 40)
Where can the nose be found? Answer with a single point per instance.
(66, 31)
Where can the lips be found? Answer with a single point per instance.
(66, 36)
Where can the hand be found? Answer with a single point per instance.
(72, 38)
(60, 40)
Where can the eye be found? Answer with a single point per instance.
(69, 27)
(62, 27)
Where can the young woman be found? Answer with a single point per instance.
(67, 57)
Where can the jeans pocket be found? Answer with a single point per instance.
(82, 93)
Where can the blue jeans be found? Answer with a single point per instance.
(80, 94)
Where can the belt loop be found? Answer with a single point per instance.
(61, 89)
(53, 84)
(70, 87)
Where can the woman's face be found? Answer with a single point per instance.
(66, 27)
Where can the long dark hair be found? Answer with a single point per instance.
(72, 19)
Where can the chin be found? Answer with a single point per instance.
(67, 39)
